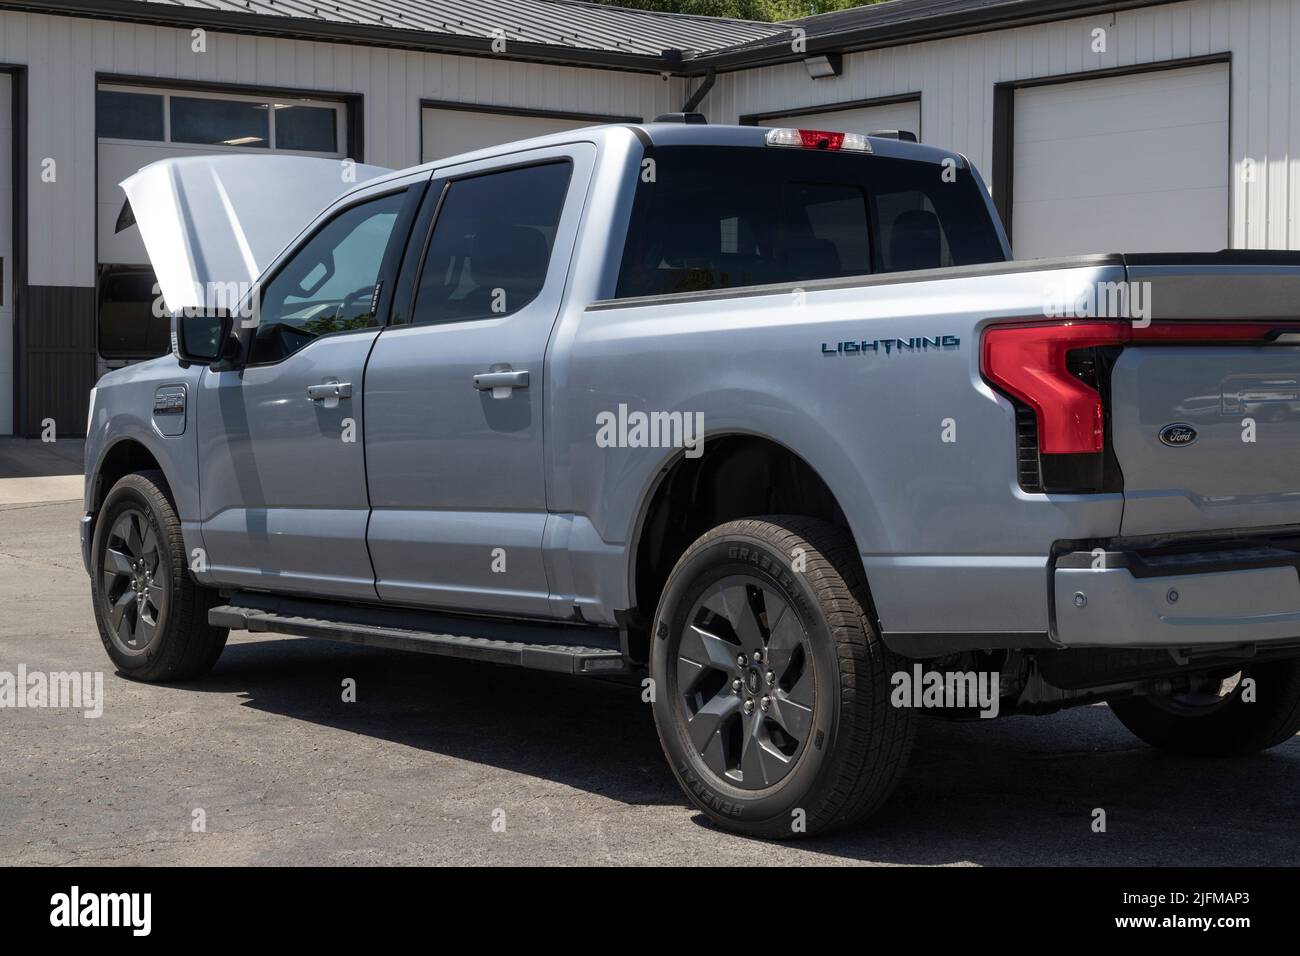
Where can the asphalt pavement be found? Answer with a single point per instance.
(442, 761)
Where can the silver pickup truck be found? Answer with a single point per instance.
(767, 423)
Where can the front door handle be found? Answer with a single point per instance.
(501, 381)
(328, 390)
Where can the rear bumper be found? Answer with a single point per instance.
(1232, 596)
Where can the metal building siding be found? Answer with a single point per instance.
(956, 78)
(63, 56)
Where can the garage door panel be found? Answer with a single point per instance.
(905, 116)
(1172, 98)
(1064, 168)
(1056, 227)
(1131, 163)
(1165, 123)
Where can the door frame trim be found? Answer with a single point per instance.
(17, 74)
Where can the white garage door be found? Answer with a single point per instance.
(451, 132)
(864, 119)
(6, 258)
(1126, 164)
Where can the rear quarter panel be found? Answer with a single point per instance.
(950, 542)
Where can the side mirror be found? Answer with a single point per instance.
(202, 339)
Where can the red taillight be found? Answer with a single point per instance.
(817, 139)
(821, 139)
(1030, 362)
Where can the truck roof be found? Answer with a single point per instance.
(699, 134)
(244, 228)
(683, 134)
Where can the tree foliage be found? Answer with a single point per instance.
(768, 10)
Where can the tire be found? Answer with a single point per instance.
(152, 617)
(831, 748)
(1232, 727)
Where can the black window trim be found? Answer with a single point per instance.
(387, 268)
(413, 259)
(437, 214)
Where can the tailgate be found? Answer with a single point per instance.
(1205, 432)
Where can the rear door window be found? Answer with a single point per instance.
(491, 243)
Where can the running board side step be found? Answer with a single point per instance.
(567, 649)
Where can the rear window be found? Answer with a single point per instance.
(717, 218)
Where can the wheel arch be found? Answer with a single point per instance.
(123, 456)
(683, 501)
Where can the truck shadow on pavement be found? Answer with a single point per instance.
(1018, 791)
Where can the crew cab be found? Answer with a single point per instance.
(767, 423)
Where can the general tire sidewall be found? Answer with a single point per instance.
(730, 555)
(120, 499)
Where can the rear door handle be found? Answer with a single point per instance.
(504, 380)
(320, 393)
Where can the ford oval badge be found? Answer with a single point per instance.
(1178, 434)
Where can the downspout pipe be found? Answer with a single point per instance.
(693, 104)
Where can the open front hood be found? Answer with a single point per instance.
(209, 220)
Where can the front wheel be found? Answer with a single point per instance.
(771, 684)
(152, 617)
(1215, 717)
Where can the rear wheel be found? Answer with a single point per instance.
(1214, 717)
(152, 617)
(771, 684)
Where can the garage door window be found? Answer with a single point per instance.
(122, 115)
(220, 122)
(234, 121)
(311, 128)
